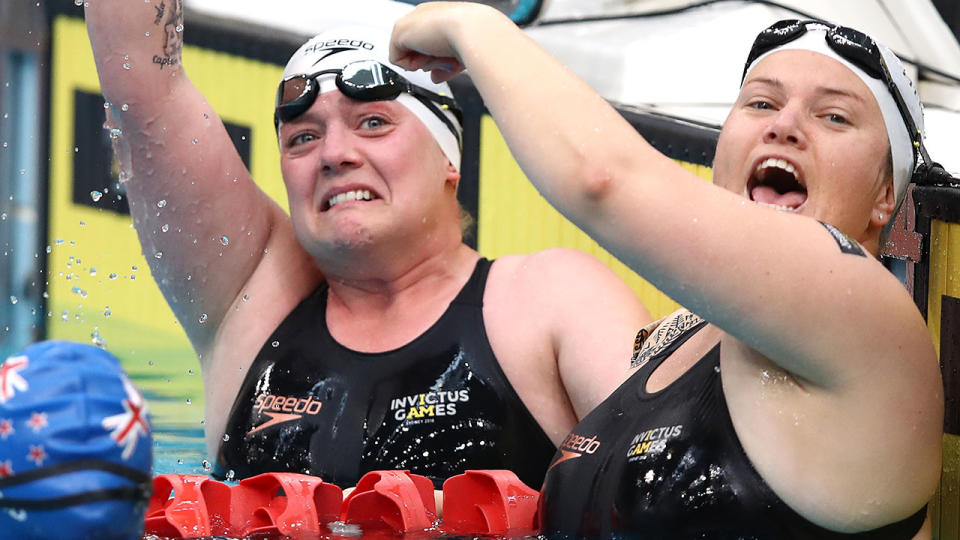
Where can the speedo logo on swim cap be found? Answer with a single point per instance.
(575, 446)
(342, 44)
(282, 409)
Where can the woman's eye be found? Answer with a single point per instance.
(301, 138)
(762, 105)
(836, 118)
(374, 122)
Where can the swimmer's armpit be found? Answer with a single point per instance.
(847, 244)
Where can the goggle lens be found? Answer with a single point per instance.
(369, 81)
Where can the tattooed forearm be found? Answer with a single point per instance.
(159, 19)
(172, 33)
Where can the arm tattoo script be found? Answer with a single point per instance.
(172, 33)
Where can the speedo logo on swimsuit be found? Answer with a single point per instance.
(428, 404)
(653, 440)
(575, 446)
(282, 409)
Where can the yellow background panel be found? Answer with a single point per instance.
(514, 218)
(945, 280)
(88, 245)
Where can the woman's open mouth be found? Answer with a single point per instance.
(352, 195)
(777, 183)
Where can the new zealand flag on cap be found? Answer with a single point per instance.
(75, 445)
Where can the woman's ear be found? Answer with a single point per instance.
(885, 205)
(452, 175)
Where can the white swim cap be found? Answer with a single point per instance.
(334, 49)
(901, 145)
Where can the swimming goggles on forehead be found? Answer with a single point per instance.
(852, 45)
(364, 80)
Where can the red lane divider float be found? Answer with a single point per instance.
(291, 504)
(395, 500)
(489, 502)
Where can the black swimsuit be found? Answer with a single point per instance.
(669, 465)
(436, 406)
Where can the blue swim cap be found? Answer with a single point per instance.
(75, 445)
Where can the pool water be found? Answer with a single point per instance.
(179, 449)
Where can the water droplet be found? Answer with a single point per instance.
(149, 362)
(226, 437)
(189, 401)
(134, 268)
(93, 271)
(96, 339)
(245, 297)
(115, 133)
(161, 203)
(230, 474)
(179, 28)
(275, 344)
(95, 195)
(126, 65)
(107, 312)
(195, 141)
(158, 255)
(78, 2)
(165, 227)
(14, 300)
(179, 461)
(224, 241)
(3, 216)
(125, 107)
(112, 276)
(189, 372)
(203, 318)
(65, 316)
(49, 249)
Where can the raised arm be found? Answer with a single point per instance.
(769, 278)
(203, 224)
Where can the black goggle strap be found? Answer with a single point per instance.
(915, 136)
(139, 492)
(443, 118)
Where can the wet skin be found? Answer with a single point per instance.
(829, 127)
(339, 145)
